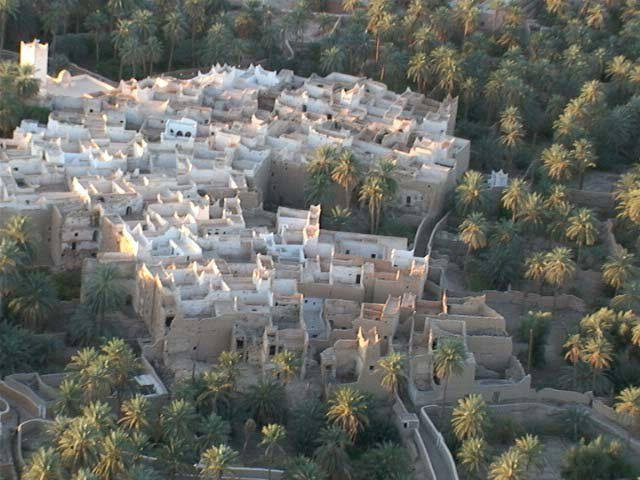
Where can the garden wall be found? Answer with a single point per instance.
(22, 401)
(435, 438)
(533, 300)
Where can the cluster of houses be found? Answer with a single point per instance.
(194, 189)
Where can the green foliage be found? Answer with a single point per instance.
(535, 326)
(598, 459)
(68, 284)
(385, 461)
(22, 351)
(305, 422)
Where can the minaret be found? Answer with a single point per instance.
(36, 54)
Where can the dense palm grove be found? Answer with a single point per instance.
(106, 429)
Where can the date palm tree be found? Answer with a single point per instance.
(266, 401)
(319, 169)
(302, 468)
(473, 232)
(115, 455)
(393, 367)
(583, 157)
(348, 409)
(97, 23)
(213, 430)
(531, 450)
(19, 228)
(217, 389)
(619, 269)
(573, 353)
(373, 193)
(471, 192)
(121, 364)
(104, 293)
(174, 31)
(8, 9)
(511, 131)
(628, 403)
(228, 365)
(34, 299)
(99, 414)
(532, 212)
(418, 70)
(597, 352)
(448, 360)
(513, 197)
(445, 64)
(557, 161)
(177, 420)
(339, 218)
(135, 414)
(332, 455)
(380, 20)
(272, 436)
(466, 13)
(44, 465)
(78, 445)
(508, 466)
(469, 417)
(535, 269)
(216, 460)
(333, 59)
(11, 262)
(346, 173)
(582, 229)
(69, 398)
(559, 269)
(472, 456)
(287, 365)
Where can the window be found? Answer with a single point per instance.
(73, 246)
(373, 255)
(371, 368)
(347, 251)
(188, 134)
(408, 200)
(239, 344)
(168, 320)
(95, 236)
(358, 278)
(272, 350)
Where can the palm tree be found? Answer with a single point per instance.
(19, 228)
(266, 401)
(473, 232)
(177, 419)
(373, 193)
(301, 468)
(122, 37)
(104, 293)
(418, 70)
(469, 417)
(97, 23)
(115, 455)
(78, 444)
(248, 430)
(215, 461)
(8, 8)
(583, 158)
(530, 448)
(95, 381)
(120, 362)
(154, 51)
(472, 456)
(446, 66)
(213, 430)
(628, 403)
(217, 388)
(573, 353)
(597, 352)
(333, 59)
(513, 197)
(11, 261)
(380, 21)
(84, 474)
(508, 466)
(228, 365)
(339, 218)
(332, 455)
(34, 299)
(557, 197)
(348, 409)
(466, 12)
(582, 229)
(44, 465)
(287, 365)
(272, 435)
(319, 169)
(471, 192)
(99, 414)
(559, 269)
(512, 130)
(135, 414)
(346, 173)
(532, 212)
(448, 360)
(69, 397)
(619, 269)
(557, 161)
(174, 31)
(350, 6)
(535, 269)
(505, 232)
(393, 367)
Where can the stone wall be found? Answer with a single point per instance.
(535, 301)
(435, 438)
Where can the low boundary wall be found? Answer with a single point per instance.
(437, 439)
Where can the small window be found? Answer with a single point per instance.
(408, 200)
(168, 320)
(188, 134)
(373, 255)
(347, 251)
(239, 344)
(272, 350)
(371, 368)
(358, 278)
(73, 246)
(75, 234)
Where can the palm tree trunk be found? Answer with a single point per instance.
(97, 40)
(170, 64)
(593, 381)
(581, 180)
(377, 48)
(193, 46)
(3, 28)
(575, 375)
(121, 68)
(347, 196)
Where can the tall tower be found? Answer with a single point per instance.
(36, 54)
